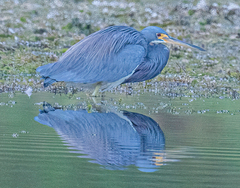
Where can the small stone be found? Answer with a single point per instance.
(233, 6)
(215, 5)
(15, 135)
(29, 91)
(11, 30)
(202, 5)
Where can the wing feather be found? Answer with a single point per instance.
(107, 56)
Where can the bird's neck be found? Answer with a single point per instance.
(157, 51)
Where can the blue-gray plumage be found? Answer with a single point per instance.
(115, 55)
(114, 140)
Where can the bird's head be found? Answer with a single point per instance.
(156, 35)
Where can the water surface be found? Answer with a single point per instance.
(172, 141)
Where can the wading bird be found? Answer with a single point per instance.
(112, 56)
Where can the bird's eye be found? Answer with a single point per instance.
(158, 34)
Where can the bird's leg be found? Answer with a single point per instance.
(96, 91)
(94, 100)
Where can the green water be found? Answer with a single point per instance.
(202, 143)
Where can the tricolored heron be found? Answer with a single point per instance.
(112, 56)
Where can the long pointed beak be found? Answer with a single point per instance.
(172, 40)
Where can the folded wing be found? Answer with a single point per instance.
(105, 56)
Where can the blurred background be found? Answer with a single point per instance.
(34, 33)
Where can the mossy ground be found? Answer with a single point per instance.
(34, 33)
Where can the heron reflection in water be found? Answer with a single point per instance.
(113, 140)
(112, 56)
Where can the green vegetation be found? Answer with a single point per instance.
(5, 36)
(52, 38)
(194, 82)
(163, 25)
(191, 12)
(23, 19)
(68, 26)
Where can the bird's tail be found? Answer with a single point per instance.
(44, 71)
(46, 109)
(48, 81)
